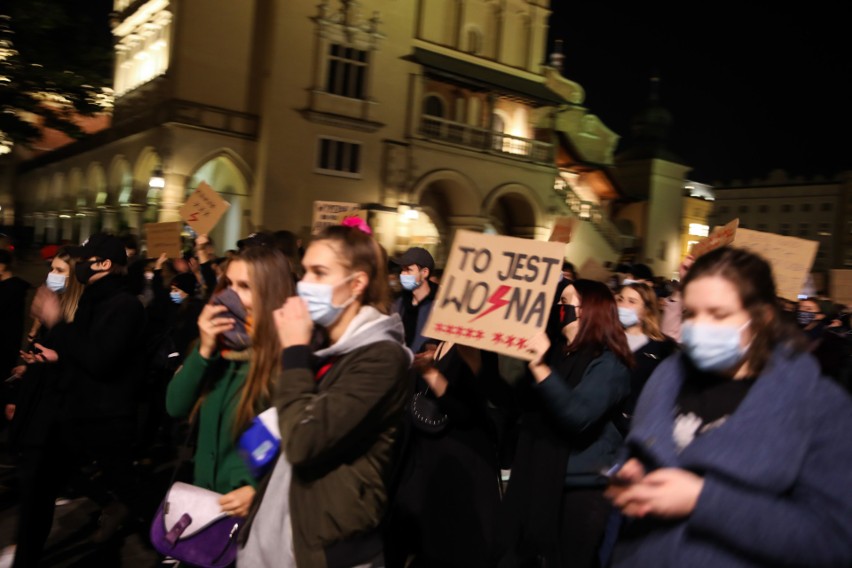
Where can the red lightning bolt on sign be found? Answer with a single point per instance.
(496, 300)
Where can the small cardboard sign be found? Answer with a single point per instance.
(496, 292)
(562, 229)
(791, 258)
(840, 285)
(327, 213)
(203, 209)
(163, 238)
(720, 237)
(594, 270)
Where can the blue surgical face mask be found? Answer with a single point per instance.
(176, 296)
(713, 348)
(319, 298)
(409, 282)
(627, 317)
(56, 282)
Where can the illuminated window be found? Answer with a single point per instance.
(347, 72)
(699, 230)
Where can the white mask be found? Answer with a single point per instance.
(56, 282)
(319, 298)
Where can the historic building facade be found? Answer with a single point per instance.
(433, 114)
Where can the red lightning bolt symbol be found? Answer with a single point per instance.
(496, 300)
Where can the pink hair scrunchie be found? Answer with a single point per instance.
(358, 223)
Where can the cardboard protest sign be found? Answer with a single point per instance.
(791, 258)
(163, 238)
(840, 286)
(594, 270)
(562, 229)
(327, 213)
(496, 292)
(203, 209)
(720, 237)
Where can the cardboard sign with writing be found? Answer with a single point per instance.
(327, 213)
(791, 258)
(163, 238)
(720, 237)
(562, 229)
(496, 292)
(203, 209)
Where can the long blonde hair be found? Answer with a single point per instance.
(271, 285)
(650, 319)
(70, 297)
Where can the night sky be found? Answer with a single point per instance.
(748, 92)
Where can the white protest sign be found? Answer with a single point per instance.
(327, 213)
(496, 292)
(791, 258)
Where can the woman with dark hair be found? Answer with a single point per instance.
(738, 451)
(339, 411)
(226, 380)
(555, 511)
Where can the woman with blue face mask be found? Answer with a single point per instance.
(639, 314)
(340, 407)
(738, 452)
(38, 398)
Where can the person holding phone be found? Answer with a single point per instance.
(227, 379)
(738, 453)
(554, 510)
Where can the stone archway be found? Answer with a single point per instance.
(513, 210)
(450, 200)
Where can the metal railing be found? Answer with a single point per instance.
(482, 139)
(594, 213)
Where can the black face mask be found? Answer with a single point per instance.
(83, 271)
(560, 316)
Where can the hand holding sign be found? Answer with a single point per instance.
(496, 292)
(203, 208)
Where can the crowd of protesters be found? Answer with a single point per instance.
(693, 422)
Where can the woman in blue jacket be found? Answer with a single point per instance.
(739, 448)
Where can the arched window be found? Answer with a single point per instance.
(433, 106)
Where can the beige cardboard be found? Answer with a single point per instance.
(840, 286)
(719, 237)
(496, 292)
(791, 258)
(163, 238)
(327, 213)
(203, 209)
(562, 229)
(594, 270)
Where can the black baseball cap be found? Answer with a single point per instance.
(416, 255)
(101, 245)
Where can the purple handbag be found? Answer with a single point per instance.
(191, 527)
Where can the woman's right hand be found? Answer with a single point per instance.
(211, 323)
(293, 322)
(45, 307)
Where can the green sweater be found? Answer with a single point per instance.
(218, 466)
